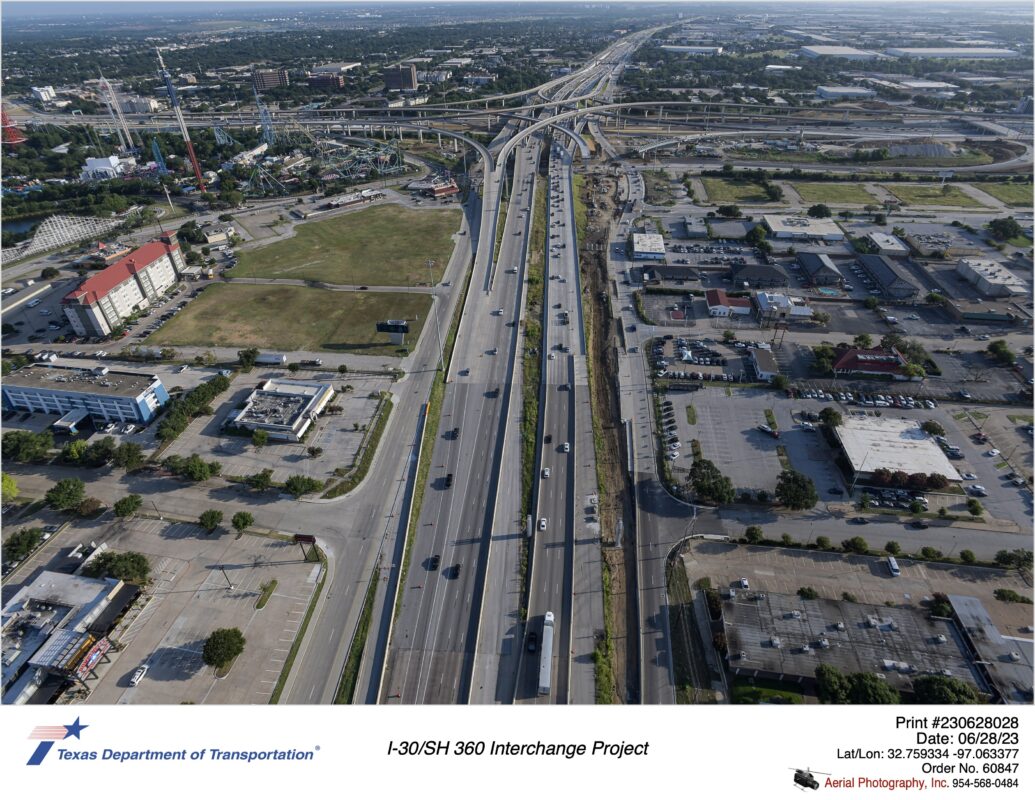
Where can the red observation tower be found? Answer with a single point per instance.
(11, 135)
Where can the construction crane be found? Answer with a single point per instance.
(122, 127)
(174, 100)
(12, 134)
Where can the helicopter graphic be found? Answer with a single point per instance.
(804, 778)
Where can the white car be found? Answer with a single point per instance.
(45, 312)
(138, 675)
(566, 447)
(993, 452)
(546, 472)
(542, 524)
(498, 312)
(968, 476)
(744, 583)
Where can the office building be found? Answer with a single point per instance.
(108, 395)
(264, 79)
(283, 408)
(132, 283)
(774, 306)
(820, 269)
(792, 227)
(327, 81)
(400, 79)
(45, 94)
(990, 278)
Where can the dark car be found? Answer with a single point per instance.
(859, 521)
(533, 642)
(836, 490)
(449, 480)
(454, 571)
(919, 524)
(434, 562)
(548, 438)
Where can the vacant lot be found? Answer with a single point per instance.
(1013, 194)
(838, 193)
(726, 190)
(932, 195)
(386, 245)
(657, 187)
(292, 318)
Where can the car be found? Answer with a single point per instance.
(498, 312)
(992, 453)
(449, 480)
(835, 490)
(363, 288)
(546, 472)
(919, 525)
(494, 351)
(548, 438)
(859, 521)
(965, 395)
(454, 571)
(542, 523)
(744, 583)
(977, 488)
(563, 387)
(968, 476)
(433, 562)
(533, 642)
(566, 447)
(138, 675)
(551, 356)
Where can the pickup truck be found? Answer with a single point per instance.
(770, 431)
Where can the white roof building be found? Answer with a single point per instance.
(991, 278)
(336, 68)
(775, 305)
(844, 92)
(692, 50)
(898, 445)
(101, 169)
(648, 245)
(44, 94)
(795, 227)
(283, 408)
(835, 51)
(951, 52)
(887, 244)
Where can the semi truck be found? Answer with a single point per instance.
(271, 358)
(546, 655)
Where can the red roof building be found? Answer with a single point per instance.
(721, 304)
(857, 361)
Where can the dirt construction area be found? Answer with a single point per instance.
(785, 570)
(200, 583)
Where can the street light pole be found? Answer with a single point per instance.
(438, 318)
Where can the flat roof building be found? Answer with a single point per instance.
(648, 246)
(1006, 663)
(783, 637)
(695, 227)
(692, 50)
(897, 445)
(941, 245)
(402, 78)
(764, 363)
(990, 278)
(887, 244)
(284, 409)
(775, 306)
(844, 93)
(795, 227)
(892, 278)
(834, 51)
(264, 79)
(951, 52)
(336, 68)
(110, 395)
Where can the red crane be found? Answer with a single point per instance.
(11, 134)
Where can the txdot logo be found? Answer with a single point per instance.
(48, 734)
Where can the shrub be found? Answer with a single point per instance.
(807, 593)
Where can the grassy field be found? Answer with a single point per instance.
(764, 692)
(1013, 194)
(385, 246)
(292, 318)
(932, 195)
(834, 193)
(657, 187)
(725, 190)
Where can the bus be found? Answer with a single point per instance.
(893, 567)
(546, 654)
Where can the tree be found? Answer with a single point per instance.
(823, 542)
(830, 417)
(867, 688)
(10, 488)
(247, 357)
(880, 219)
(1000, 352)
(967, 556)
(819, 211)
(753, 533)
(210, 520)
(710, 484)
(314, 452)
(780, 382)
(892, 548)
(807, 593)
(66, 494)
(260, 438)
(89, 507)
(1005, 229)
(930, 553)
(342, 369)
(728, 335)
(26, 446)
(932, 427)
(260, 481)
(128, 456)
(821, 318)
(974, 507)
(857, 545)
(796, 490)
(49, 273)
(831, 685)
(222, 647)
(128, 505)
(130, 567)
(944, 690)
(729, 211)
(100, 452)
(298, 485)
(241, 521)
(73, 451)
(1018, 559)
(863, 340)
(20, 544)
(871, 303)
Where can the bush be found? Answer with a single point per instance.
(753, 533)
(210, 520)
(967, 556)
(823, 542)
(807, 593)
(974, 507)
(892, 548)
(222, 647)
(130, 567)
(128, 505)
(298, 485)
(848, 597)
(89, 507)
(857, 545)
(1010, 596)
(930, 553)
(932, 427)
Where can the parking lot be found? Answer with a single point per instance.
(785, 570)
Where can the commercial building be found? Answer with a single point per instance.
(834, 51)
(820, 269)
(951, 52)
(927, 87)
(892, 278)
(336, 68)
(758, 275)
(940, 245)
(695, 228)
(773, 306)
(794, 227)
(264, 79)
(896, 445)
(722, 305)
(648, 247)
(887, 244)
(782, 637)
(991, 278)
(135, 104)
(457, 62)
(109, 395)
(134, 282)
(844, 93)
(400, 79)
(101, 169)
(1004, 662)
(326, 81)
(876, 362)
(435, 76)
(45, 94)
(764, 363)
(54, 632)
(480, 78)
(692, 50)
(284, 409)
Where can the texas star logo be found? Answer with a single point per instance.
(48, 734)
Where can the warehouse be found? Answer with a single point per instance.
(844, 93)
(951, 52)
(648, 247)
(891, 277)
(692, 50)
(794, 227)
(896, 445)
(990, 278)
(284, 409)
(108, 395)
(833, 51)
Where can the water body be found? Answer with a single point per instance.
(21, 225)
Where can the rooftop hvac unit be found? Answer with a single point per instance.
(824, 643)
(940, 638)
(1015, 656)
(840, 626)
(806, 649)
(775, 642)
